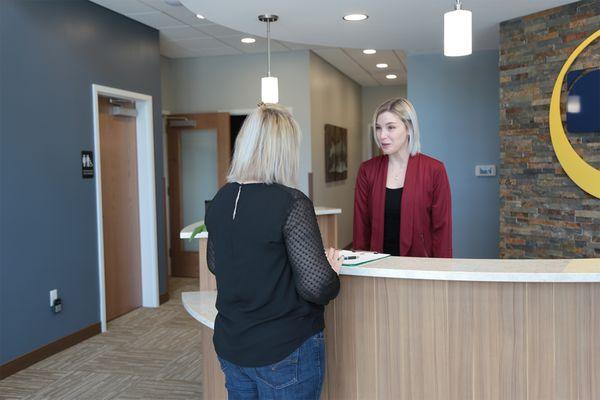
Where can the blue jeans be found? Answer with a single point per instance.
(298, 376)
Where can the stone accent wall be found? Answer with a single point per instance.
(543, 214)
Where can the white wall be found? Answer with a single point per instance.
(209, 84)
(335, 99)
(372, 97)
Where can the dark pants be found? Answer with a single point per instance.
(298, 376)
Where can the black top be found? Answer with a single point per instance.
(391, 226)
(273, 278)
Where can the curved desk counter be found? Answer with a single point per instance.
(417, 328)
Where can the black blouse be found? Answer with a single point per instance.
(391, 226)
(273, 279)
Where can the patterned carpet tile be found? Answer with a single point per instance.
(167, 338)
(145, 317)
(149, 389)
(86, 386)
(128, 361)
(181, 321)
(187, 368)
(117, 336)
(72, 358)
(27, 382)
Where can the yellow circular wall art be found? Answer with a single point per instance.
(583, 174)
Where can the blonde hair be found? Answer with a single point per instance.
(403, 109)
(267, 147)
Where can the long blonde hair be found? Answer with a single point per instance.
(267, 147)
(403, 109)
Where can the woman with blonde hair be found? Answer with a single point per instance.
(402, 203)
(273, 275)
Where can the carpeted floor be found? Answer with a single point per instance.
(150, 353)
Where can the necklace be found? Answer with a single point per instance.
(397, 176)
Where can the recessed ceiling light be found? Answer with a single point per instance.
(248, 40)
(200, 16)
(391, 76)
(355, 17)
(369, 51)
(382, 65)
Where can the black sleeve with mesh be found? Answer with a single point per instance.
(316, 281)
(210, 255)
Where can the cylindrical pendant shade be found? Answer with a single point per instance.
(269, 90)
(457, 33)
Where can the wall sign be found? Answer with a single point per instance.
(87, 164)
(583, 174)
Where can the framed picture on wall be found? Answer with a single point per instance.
(336, 153)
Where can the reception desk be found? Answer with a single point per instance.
(425, 329)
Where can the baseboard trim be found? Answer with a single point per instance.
(164, 298)
(46, 351)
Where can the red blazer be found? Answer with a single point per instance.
(425, 213)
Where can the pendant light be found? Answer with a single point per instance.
(458, 32)
(269, 84)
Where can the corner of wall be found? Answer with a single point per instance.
(335, 99)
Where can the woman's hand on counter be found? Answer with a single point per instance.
(335, 259)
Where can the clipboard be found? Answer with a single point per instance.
(362, 257)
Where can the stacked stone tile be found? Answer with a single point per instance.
(543, 214)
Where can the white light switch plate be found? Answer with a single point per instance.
(485, 170)
(53, 296)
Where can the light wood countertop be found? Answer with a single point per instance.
(481, 270)
(186, 232)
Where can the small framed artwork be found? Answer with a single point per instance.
(336, 153)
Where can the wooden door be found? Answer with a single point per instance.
(199, 145)
(120, 211)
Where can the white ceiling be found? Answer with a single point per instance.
(414, 26)
(361, 68)
(182, 35)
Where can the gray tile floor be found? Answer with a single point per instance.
(146, 354)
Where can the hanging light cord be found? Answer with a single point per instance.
(268, 18)
(269, 48)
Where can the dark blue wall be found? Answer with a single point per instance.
(50, 54)
(456, 99)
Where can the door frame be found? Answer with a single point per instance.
(185, 263)
(164, 121)
(146, 195)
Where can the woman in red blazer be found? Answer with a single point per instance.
(402, 202)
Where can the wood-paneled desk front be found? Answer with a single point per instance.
(426, 329)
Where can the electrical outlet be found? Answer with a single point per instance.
(53, 296)
(57, 306)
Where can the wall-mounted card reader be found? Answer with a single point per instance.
(485, 170)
